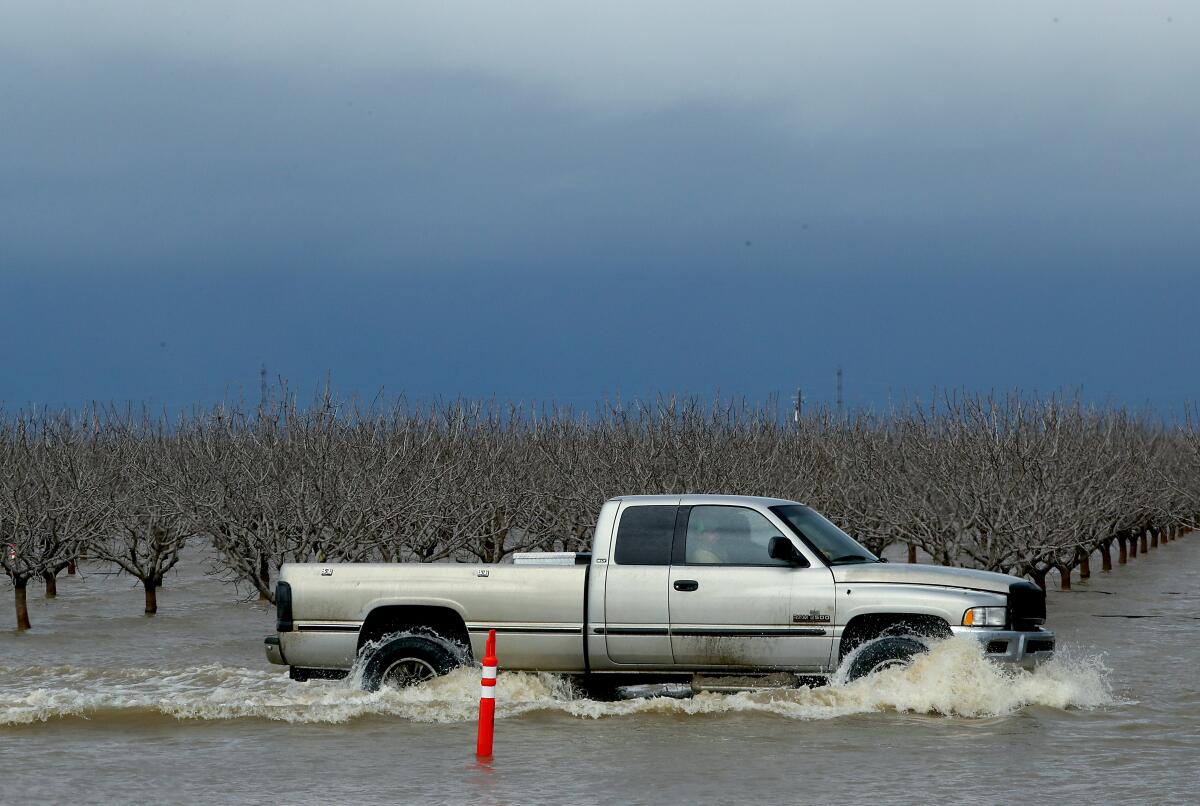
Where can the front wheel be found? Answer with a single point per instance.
(884, 653)
(407, 660)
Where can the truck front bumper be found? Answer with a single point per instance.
(1024, 649)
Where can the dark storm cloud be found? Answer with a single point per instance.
(435, 197)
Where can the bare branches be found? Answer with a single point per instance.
(53, 499)
(1008, 483)
(147, 532)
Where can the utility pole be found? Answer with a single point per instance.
(839, 390)
(798, 408)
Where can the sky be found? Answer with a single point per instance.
(574, 201)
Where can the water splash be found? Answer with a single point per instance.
(952, 680)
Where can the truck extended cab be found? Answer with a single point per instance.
(680, 584)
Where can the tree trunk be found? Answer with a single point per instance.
(51, 584)
(1064, 577)
(1154, 538)
(1106, 556)
(71, 568)
(151, 587)
(22, 605)
(1142, 547)
(1085, 567)
(1039, 577)
(1133, 546)
(264, 574)
(1124, 553)
(912, 552)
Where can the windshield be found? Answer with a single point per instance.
(834, 545)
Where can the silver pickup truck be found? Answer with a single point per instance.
(694, 585)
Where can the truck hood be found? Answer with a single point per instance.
(906, 574)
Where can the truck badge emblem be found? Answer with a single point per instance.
(483, 572)
(326, 572)
(811, 617)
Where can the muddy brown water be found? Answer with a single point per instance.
(99, 703)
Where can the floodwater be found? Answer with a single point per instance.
(99, 703)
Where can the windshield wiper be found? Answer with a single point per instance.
(847, 558)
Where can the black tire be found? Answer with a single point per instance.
(884, 653)
(407, 660)
(598, 687)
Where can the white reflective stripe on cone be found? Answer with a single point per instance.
(487, 692)
(489, 672)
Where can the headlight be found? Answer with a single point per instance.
(985, 617)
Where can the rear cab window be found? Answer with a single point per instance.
(644, 535)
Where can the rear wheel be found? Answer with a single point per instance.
(884, 653)
(407, 660)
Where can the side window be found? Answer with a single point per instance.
(644, 536)
(720, 535)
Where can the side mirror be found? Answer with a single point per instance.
(780, 548)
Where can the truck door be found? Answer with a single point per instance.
(731, 605)
(635, 587)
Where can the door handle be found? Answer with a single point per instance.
(686, 584)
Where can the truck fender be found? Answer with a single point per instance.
(442, 616)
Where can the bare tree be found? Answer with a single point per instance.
(52, 498)
(148, 531)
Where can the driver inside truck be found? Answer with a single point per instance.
(707, 549)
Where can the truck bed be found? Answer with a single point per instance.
(537, 611)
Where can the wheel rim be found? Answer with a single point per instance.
(890, 663)
(407, 672)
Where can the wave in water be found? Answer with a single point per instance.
(953, 679)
